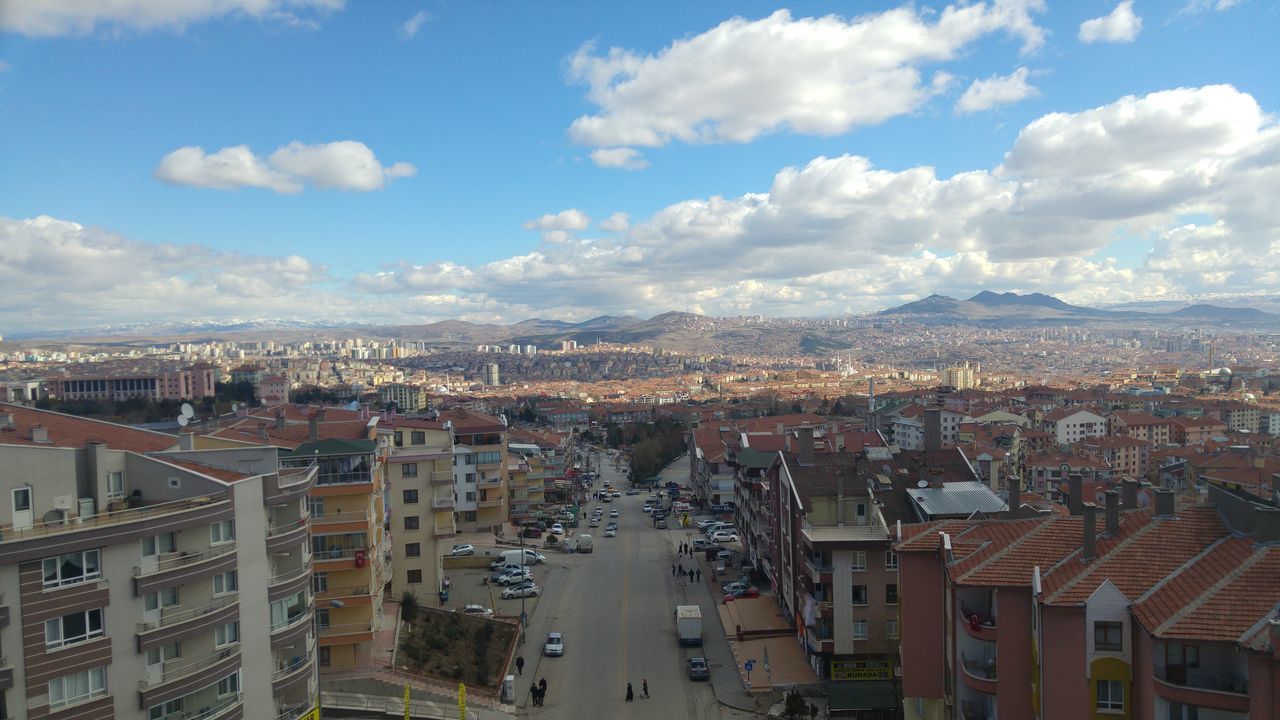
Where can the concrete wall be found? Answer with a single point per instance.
(1013, 652)
(1066, 689)
(255, 608)
(921, 598)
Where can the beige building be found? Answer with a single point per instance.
(420, 481)
(143, 580)
(407, 398)
(480, 469)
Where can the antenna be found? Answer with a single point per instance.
(183, 420)
(188, 411)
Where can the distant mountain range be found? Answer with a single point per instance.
(1012, 309)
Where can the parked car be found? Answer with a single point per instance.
(704, 524)
(480, 610)
(633, 492)
(525, 589)
(616, 494)
(741, 593)
(733, 586)
(554, 646)
(698, 669)
(646, 508)
(700, 544)
(532, 532)
(459, 550)
(557, 529)
(515, 577)
(661, 524)
(724, 536)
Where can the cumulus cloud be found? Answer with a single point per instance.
(995, 90)
(342, 165)
(625, 158)
(411, 26)
(1121, 25)
(819, 76)
(616, 222)
(61, 17)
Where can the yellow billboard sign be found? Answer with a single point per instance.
(861, 669)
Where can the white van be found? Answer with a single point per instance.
(531, 556)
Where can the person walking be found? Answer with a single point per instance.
(542, 688)
(699, 574)
(691, 575)
(631, 695)
(673, 569)
(533, 693)
(519, 664)
(644, 687)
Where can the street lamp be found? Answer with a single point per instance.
(523, 617)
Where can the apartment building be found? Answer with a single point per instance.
(194, 382)
(1069, 425)
(420, 485)
(1186, 430)
(407, 398)
(479, 468)
(144, 580)
(1142, 426)
(710, 474)
(1153, 612)
(1125, 455)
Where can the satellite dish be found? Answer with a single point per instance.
(922, 483)
(183, 420)
(353, 405)
(188, 411)
(235, 407)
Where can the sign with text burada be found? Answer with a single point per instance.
(861, 669)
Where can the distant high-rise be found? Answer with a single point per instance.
(530, 349)
(491, 374)
(961, 377)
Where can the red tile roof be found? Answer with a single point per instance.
(216, 473)
(73, 431)
(1221, 597)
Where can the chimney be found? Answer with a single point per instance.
(313, 427)
(280, 419)
(782, 429)
(1088, 548)
(1165, 505)
(262, 431)
(839, 441)
(840, 498)
(937, 479)
(1113, 513)
(806, 445)
(1073, 493)
(933, 428)
(95, 455)
(1015, 496)
(320, 414)
(186, 441)
(39, 433)
(1129, 495)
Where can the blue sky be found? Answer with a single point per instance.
(484, 117)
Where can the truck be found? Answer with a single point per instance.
(689, 625)
(583, 544)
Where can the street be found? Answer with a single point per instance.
(615, 608)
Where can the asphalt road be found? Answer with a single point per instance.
(615, 607)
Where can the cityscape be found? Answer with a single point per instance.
(423, 360)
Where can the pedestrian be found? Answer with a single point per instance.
(542, 688)
(631, 695)
(533, 692)
(690, 574)
(644, 687)
(519, 664)
(699, 574)
(681, 568)
(673, 569)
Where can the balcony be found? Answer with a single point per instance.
(175, 616)
(354, 557)
(173, 568)
(281, 535)
(289, 674)
(179, 560)
(346, 633)
(296, 712)
(441, 477)
(489, 483)
(349, 477)
(816, 568)
(293, 621)
(356, 518)
(979, 674)
(285, 581)
(984, 628)
(489, 502)
(290, 483)
(346, 593)
(444, 531)
(222, 708)
(442, 503)
(1228, 691)
(228, 657)
(977, 711)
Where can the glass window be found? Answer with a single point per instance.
(157, 544)
(471, 496)
(409, 470)
(71, 568)
(115, 485)
(1110, 695)
(859, 561)
(890, 560)
(891, 594)
(163, 711)
(229, 685)
(326, 656)
(222, 532)
(226, 582)
(410, 522)
(488, 458)
(412, 550)
(417, 437)
(227, 634)
(410, 497)
(320, 582)
(1107, 637)
(74, 628)
(317, 507)
(891, 629)
(77, 687)
(859, 595)
(322, 617)
(859, 629)
(415, 577)
(160, 599)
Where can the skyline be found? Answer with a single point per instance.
(421, 161)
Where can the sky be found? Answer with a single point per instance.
(412, 161)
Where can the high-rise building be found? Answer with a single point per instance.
(142, 579)
(480, 469)
(492, 374)
(419, 477)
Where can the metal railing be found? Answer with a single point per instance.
(341, 592)
(282, 528)
(177, 615)
(293, 621)
(339, 554)
(816, 567)
(442, 477)
(179, 669)
(295, 475)
(346, 629)
(8, 533)
(982, 669)
(1202, 679)
(293, 666)
(986, 620)
(283, 576)
(350, 477)
(341, 516)
(442, 503)
(181, 559)
(297, 711)
(211, 712)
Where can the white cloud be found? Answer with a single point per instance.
(1121, 25)
(344, 165)
(996, 90)
(1194, 6)
(820, 76)
(625, 158)
(80, 17)
(411, 26)
(616, 222)
(571, 219)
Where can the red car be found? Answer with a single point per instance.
(532, 532)
(748, 593)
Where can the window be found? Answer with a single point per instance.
(469, 515)
(891, 629)
(224, 583)
(74, 628)
(222, 532)
(412, 550)
(287, 611)
(415, 577)
(410, 497)
(115, 485)
(890, 560)
(1110, 694)
(72, 568)
(22, 499)
(320, 582)
(860, 561)
(471, 496)
(891, 594)
(417, 437)
(160, 599)
(859, 629)
(859, 595)
(326, 656)
(317, 507)
(227, 634)
(1107, 637)
(1178, 711)
(77, 687)
(158, 544)
(164, 653)
(488, 458)
(172, 708)
(409, 470)
(410, 522)
(229, 685)
(322, 617)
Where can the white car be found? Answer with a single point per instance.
(525, 589)
(557, 529)
(480, 610)
(459, 550)
(613, 513)
(617, 494)
(515, 577)
(724, 536)
(611, 532)
(554, 646)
